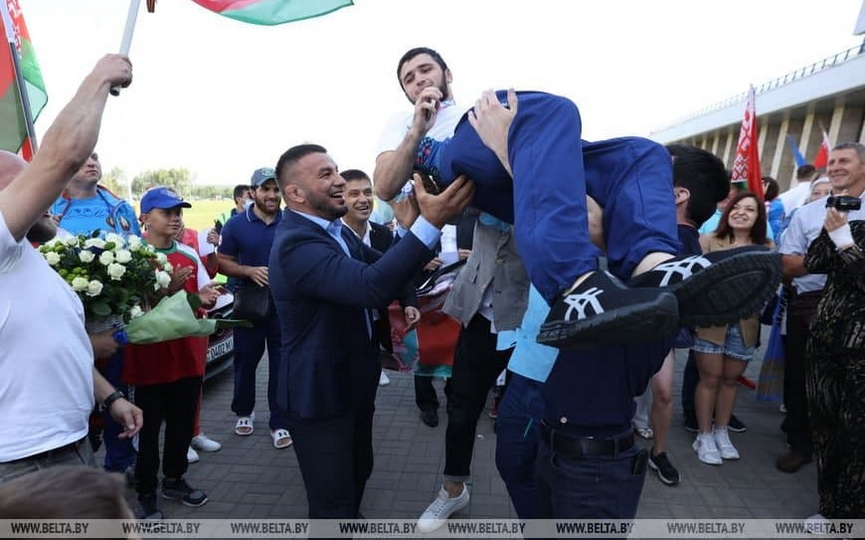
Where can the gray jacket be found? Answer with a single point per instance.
(494, 262)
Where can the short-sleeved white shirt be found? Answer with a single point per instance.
(804, 228)
(46, 360)
(448, 117)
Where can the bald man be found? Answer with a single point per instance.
(49, 382)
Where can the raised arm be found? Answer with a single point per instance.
(65, 147)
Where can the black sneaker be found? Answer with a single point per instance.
(430, 417)
(735, 425)
(690, 423)
(179, 490)
(603, 310)
(720, 287)
(146, 509)
(666, 472)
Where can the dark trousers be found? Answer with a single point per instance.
(119, 453)
(335, 459)
(796, 425)
(689, 385)
(176, 404)
(425, 393)
(477, 363)
(553, 171)
(248, 350)
(79, 452)
(592, 487)
(517, 439)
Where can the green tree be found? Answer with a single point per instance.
(115, 180)
(180, 179)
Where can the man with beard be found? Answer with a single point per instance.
(85, 206)
(49, 381)
(324, 283)
(243, 254)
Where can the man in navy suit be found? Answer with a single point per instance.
(358, 198)
(325, 282)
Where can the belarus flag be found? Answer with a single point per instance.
(272, 12)
(822, 157)
(13, 127)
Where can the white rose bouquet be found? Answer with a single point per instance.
(124, 277)
(113, 276)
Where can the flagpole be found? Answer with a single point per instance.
(19, 77)
(126, 42)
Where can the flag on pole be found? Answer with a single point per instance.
(746, 167)
(800, 159)
(823, 154)
(272, 12)
(13, 124)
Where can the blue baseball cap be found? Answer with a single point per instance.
(161, 197)
(261, 176)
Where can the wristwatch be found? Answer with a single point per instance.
(109, 401)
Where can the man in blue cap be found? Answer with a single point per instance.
(244, 252)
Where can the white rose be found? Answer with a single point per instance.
(72, 241)
(162, 280)
(123, 256)
(86, 256)
(116, 238)
(80, 284)
(95, 242)
(93, 288)
(168, 267)
(134, 243)
(52, 258)
(116, 271)
(135, 312)
(106, 258)
(161, 258)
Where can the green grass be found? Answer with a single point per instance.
(203, 212)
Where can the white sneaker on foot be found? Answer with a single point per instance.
(204, 443)
(722, 441)
(192, 456)
(706, 449)
(383, 379)
(441, 508)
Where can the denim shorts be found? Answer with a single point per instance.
(733, 345)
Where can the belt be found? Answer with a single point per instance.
(54, 452)
(576, 447)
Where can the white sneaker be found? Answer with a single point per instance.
(192, 456)
(204, 443)
(706, 449)
(816, 524)
(383, 379)
(441, 508)
(722, 441)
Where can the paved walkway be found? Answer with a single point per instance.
(248, 478)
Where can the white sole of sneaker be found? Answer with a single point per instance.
(661, 476)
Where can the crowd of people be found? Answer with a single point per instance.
(587, 265)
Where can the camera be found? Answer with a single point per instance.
(843, 203)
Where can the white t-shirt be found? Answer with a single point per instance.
(795, 196)
(804, 228)
(46, 361)
(448, 116)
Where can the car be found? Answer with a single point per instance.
(220, 345)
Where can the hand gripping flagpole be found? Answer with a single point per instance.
(126, 42)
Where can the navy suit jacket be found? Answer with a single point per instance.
(329, 365)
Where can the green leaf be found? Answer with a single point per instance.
(194, 300)
(100, 309)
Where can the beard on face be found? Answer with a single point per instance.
(326, 207)
(42, 231)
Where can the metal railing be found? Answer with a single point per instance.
(816, 67)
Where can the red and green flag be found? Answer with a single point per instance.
(272, 12)
(13, 124)
(746, 167)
